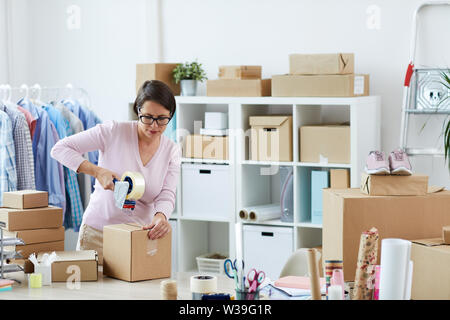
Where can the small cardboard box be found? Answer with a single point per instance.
(339, 178)
(128, 253)
(325, 143)
(157, 71)
(240, 72)
(25, 199)
(79, 265)
(37, 235)
(193, 146)
(28, 249)
(347, 213)
(346, 85)
(392, 185)
(271, 138)
(37, 218)
(323, 63)
(238, 88)
(206, 147)
(431, 262)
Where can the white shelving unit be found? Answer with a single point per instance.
(199, 235)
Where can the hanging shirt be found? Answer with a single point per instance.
(22, 147)
(8, 176)
(89, 120)
(47, 172)
(74, 206)
(30, 120)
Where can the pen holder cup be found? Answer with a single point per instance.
(245, 295)
(46, 272)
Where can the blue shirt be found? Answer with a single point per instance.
(8, 175)
(47, 172)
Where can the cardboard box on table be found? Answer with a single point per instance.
(25, 199)
(240, 72)
(346, 85)
(322, 63)
(329, 143)
(238, 88)
(347, 213)
(157, 71)
(27, 249)
(128, 253)
(271, 138)
(393, 185)
(36, 218)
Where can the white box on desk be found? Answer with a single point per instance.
(267, 248)
(216, 120)
(207, 191)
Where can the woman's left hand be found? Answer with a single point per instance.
(159, 226)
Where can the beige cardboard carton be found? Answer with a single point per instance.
(240, 72)
(330, 143)
(25, 199)
(157, 71)
(238, 88)
(37, 235)
(37, 218)
(128, 253)
(271, 138)
(347, 213)
(215, 147)
(28, 249)
(347, 85)
(322, 63)
(392, 185)
(339, 178)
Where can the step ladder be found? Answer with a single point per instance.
(424, 95)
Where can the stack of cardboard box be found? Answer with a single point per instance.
(321, 75)
(28, 216)
(239, 81)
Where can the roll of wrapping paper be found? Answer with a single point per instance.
(313, 269)
(263, 213)
(365, 265)
(330, 265)
(137, 183)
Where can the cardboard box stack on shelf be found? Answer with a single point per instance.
(239, 81)
(157, 71)
(28, 216)
(321, 75)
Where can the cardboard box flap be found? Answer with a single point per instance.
(80, 255)
(356, 193)
(434, 189)
(129, 227)
(429, 242)
(268, 120)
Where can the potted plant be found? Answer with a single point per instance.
(188, 75)
(446, 83)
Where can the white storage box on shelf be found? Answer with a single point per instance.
(216, 120)
(267, 248)
(206, 191)
(206, 264)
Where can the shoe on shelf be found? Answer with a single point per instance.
(377, 164)
(399, 163)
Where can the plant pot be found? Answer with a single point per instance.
(188, 87)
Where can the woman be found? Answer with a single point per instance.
(136, 146)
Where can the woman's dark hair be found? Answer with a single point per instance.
(156, 91)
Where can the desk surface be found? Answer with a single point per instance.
(107, 288)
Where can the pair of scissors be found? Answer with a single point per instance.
(255, 278)
(232, 270)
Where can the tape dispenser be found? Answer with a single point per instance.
(128, 189)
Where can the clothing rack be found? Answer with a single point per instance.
(6, 268)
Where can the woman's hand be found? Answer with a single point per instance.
(105, 177)
(159, 226)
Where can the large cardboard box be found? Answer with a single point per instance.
(271, 138)
(347, 213)
(80, 265)
(339, 178)
(325, 143)
(238, 88)
(240, 72)
(206, 147)
(322, 63)
(392, 185)
(128, 253)
(37, 218)
(25, 199)
(28, 249)
(346, 85)
(157, 71)
(37, 235)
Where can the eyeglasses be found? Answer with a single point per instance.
(160, 121)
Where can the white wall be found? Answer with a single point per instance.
(117, 34)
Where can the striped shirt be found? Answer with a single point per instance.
(8, 176)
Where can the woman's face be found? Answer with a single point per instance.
(155, 110)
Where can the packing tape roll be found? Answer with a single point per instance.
(203, 284)
(137, 183)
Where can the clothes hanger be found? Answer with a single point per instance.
(7, 98)
(38, 90)
(26, 89)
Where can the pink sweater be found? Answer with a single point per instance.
(117, 143)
